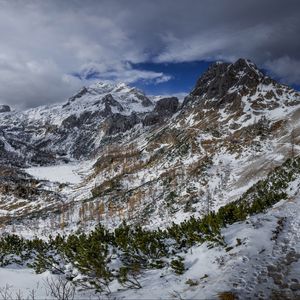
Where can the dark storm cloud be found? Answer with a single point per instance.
(44, 42)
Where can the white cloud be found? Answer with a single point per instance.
(41, 46)
(285, 68)
(44, 42)
(122, 72)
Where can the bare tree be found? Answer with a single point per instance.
(32, 295)
(60, 288)
(19, 295)
(5, 292)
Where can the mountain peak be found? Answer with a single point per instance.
(108, 87)
(246, 67)
(240, 92)
(222, 76)
(102, 88)
(243, 63)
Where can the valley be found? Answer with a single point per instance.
(227, 154)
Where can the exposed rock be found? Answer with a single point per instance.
(167, 106)
(212, 82)
(4, 108)
(70, 122)
(237, 91)
(220, 77)
(187, 100)
(152, 119)
(118, 123)
(145, 100)
(109, 101)
(164, 108)
(81, 93)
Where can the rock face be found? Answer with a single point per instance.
(225, 83)
(152, 119)
(76, 129)
(220, 77)
(81, 93)
(110, 103)
(164, 108)
(241, 91)
(118, 123)
(144, 100)
(4, 108)
(167, 105)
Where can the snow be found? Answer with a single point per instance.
(245, 268)
(61, 173)
(17, 281)
(68, 173)
(23, 283)
(242, 269)
(128, 97)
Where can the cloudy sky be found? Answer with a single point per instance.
(49, 49)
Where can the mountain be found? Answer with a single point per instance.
(111, 154)
(228, 134)
(160, 161)
(78, 128)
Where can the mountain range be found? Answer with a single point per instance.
(111, 154)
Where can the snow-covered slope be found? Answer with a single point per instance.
(260, 259)
(123, 99)
(76, 129)
(235, 126)
(111, 154)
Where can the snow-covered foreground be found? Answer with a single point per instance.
(262, 260)
(22, 282)
(25, 284)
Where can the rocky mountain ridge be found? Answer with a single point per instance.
(78, 128)
(196, 198)
(153, 163)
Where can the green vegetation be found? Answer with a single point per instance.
(101, 255)
(191, 282)
(178, 266)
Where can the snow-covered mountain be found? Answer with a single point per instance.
(78, 128)
(111, 154)
(234, 127)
